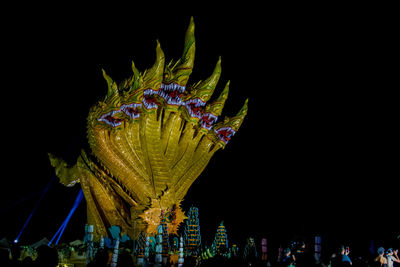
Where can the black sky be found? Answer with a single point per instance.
(317, 153)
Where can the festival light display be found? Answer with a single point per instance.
(165, 238)
(192, 234)
(250, 250)
(264, 249)
(140, 249)
(150, 138)
(221, 240)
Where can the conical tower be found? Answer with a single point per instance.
(165, 237)
(250, 250)
(140, 248)
(192, 235)
(221, 240)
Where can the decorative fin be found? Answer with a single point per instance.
(216, 106)
(180, 71)
(237, 121)
(134, 94)
(213, 110)
(189, 49)
(135, 77)
(112, 86)
(153, 77)
(68, 175)
(223, 131)
(205, 89)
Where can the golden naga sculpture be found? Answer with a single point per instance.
(151, 137)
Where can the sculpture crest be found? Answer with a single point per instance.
(150, 138)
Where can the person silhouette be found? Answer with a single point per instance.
(100, 260)
(47, 257)
(4, 257)
(392, 257)
(380, 260)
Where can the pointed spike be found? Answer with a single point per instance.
(243, 111)
(153, 77)
(218, 66)
(135, 80)
(171, 64)
(112, 86)
(206, 88)
(189, 40)
(237, 121)
(134, 69)
(216, 106)
(224, 94)
(107, 78)
(212, 81)
(191, 26)
(179, 72)
(159, 52)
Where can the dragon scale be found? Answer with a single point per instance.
(150, 138)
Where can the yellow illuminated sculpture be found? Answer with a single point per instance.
(150, 138)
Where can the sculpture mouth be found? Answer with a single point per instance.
(109, 118)
(195, 107)
(225, 134)
(208, 120)
(149, 99)
(172, 93)
(132, 110)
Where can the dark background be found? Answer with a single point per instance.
(317, 153)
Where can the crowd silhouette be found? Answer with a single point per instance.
(297, 254)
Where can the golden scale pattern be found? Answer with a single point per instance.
(150, 138)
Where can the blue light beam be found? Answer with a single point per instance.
(60, 230)
(35, 208)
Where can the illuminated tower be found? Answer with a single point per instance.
(250, 250)
(221, 240)
(165, 237)
(140, 248)
(192, 232)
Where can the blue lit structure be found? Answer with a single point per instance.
(192, 237)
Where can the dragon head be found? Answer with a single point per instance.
(150, 138)
(224, 131)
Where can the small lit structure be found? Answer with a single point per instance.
(192, 236)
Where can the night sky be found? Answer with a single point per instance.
(317, 153)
